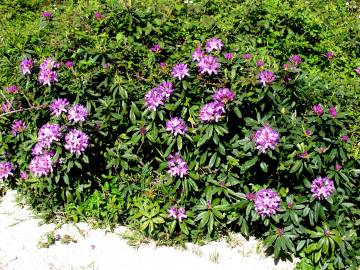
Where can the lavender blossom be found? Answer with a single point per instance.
(197, 54)
(17, 127)
(156, 48)
(49, 64)
(267, 202)
(266, 77)
(177, 166)
(76, 141)
(41, 165)
(178, 214)
(322, 187)
(26, 66)
(172, 212)
(23, 175)
(47, 76)
(266, 138)
(166, 88)
(332, 112)
(5, 170)
(58, 106)
(318, 110)
(224, 95)
(39, 149)
(77, 113)
(295, 60)
(176, 125)
(49, 133)
(214, 44)
(154, 98)
(212, 111)
(208, 64)
(329, 55)
(180, 71)
(228, 56)
(12, 89)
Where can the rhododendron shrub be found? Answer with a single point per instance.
(185, 131)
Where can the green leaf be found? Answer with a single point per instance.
(179, 142)
(184, 228)
(296, 166)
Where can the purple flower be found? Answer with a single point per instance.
(318, 110)
(308, 132)
(304, 154)
(162, 65)
(17, 127)
(247, 56)
(39, 149)
(98, 16)
(344, 138)
(166, 88)
(295, 59)
(180, 71)
(154, 98)
(49, 133)
(77, 113)
(250, 196)
(338, 167)
(176, 125)
(357, 70)
(332, 112)
(266, 138)
(47, 76)
(177, 166)
(266, 77)
(26, 65)
(172, 212)
(228, 56)
(208, 64)
(69, 64)
(329, 55)
(76, 141)
(106, 65)
(267, 202)
(49, 64)
(156, 48)
(212, 111)
(213, 44)
(12, 89)
(322, 187)
(197, 54)
(224, 95)
(23, 175)
(5, 170)
(260, 63)
(5, 107)
(58, 106)
(286, 66)
(47, 14)
(41, 165)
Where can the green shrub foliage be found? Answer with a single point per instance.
(187, 120)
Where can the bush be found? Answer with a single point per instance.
(128, 122)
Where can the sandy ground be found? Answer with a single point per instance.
(21, 233)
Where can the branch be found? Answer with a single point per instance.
(26, 109)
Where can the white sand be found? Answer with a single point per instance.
(20, 234)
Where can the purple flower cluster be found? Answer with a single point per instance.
(176, 213)
(224, 95)
(329, 55)
(69, 64)
(266, 138)
(5, 170)
(48, 134)
(208, 64)
(247, 56)
(228, 56)
(58, 106)
(76, 141)
(47, 75)
(267, 202)
(318, 110)
(260, 63)
(47, 14)
(266, 77)
(177, 166)
(26, 66)
(156, 48)
(176, 125)
(332, 112)
(162, 65)
(322, 187)
(17, 127)
(12, 89)
(212, 111)
(344, 138)
(23, 175)
(77, 113)
(156, 96)
(41, 165)
(197, 54)
(98, 16)
(180, 71)
(213, 44)
(5, 107)
(295, 59)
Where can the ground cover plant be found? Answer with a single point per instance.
(186, 120)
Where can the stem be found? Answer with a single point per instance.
(26, 109)
(7, 100)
